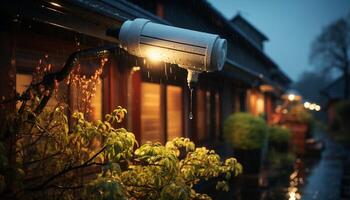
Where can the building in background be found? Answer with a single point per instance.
(334, 93)
(156, 95)
(250, 80)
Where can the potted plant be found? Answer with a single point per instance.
(279, 137)
(278, 153)
(247, 135)
(298, 120)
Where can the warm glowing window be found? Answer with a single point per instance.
(256, 102)
(201, 114)
(174, 112)
(260, 107)
(22, 83)
(150, 113)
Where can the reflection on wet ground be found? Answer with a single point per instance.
(295, 181)
(316, 177)
(323, 181)
(313, 178)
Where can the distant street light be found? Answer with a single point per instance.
(292, 95)
(317, 108)
(307, 105)
(312, 106)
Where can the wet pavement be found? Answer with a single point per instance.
(315, 176)
(323, 180)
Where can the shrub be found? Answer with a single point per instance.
(244, 131)
(49, 155)
(298, 114)
(280, 160)
(278, 155)
(279, 135)
(151, 171)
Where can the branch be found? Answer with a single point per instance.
(39, 160)
(67, 187)
(68, 169)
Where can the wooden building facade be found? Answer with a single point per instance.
(156, 94)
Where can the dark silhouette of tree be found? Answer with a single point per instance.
(331, 48)
(310, 83)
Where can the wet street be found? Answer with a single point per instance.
(323, 180)
(314, 177)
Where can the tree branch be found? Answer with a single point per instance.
(66, 170)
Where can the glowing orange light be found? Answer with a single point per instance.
(136, 68)
(55, 4)
(291, 97)
(154, 55)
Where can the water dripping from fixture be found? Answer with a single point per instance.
(166, 71)
(191, 104)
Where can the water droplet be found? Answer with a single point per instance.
(191, 102)
(166, 71)
(190, 115)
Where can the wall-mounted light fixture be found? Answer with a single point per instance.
(192, 50)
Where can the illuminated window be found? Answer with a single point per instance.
(256, 102)
(22, 83)
(174, 112)
(150, 113)
(201, 114)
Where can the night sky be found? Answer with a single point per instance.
(291, 26)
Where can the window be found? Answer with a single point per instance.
(22, 83)
(174, 112)
(151, 113)
(256, 102)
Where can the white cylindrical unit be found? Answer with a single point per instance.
(192, 50)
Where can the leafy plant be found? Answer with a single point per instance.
(279, 159)
(244, 131)
(49, 155)
(298, 114)
(279, 135)
(61, 157)
(278, 154)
